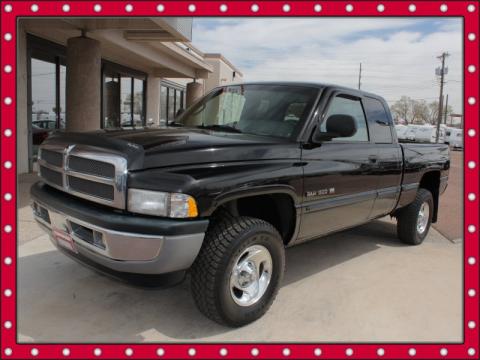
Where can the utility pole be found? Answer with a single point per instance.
(440, 71)
(446, 111)
(360, 76)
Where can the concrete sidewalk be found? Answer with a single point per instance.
(361, 285)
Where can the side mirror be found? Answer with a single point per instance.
(179, 112)
(338, 125)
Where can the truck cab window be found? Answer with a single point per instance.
(380, 123)
(352, 107)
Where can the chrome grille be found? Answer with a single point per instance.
(85, 171)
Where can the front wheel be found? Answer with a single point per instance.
(414, 220)
(238, 271)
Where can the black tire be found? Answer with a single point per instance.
(407, 219)
(226, 239)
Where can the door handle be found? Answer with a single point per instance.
(373, 158)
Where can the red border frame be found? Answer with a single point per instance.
(468, 349)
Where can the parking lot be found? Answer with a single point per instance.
(358, 285)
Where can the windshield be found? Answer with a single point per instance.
(268, 110)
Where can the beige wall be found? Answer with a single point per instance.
(222, 74)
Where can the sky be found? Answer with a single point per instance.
(398, 55)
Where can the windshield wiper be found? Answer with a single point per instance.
(220, 128)
(175, 124)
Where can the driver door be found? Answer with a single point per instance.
(339, 179)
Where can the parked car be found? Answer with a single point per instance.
(231, 185)
(454, 137)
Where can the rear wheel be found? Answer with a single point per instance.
(414, 220)
(238, 271)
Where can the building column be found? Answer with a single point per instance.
(194, 91)
(83, 84)
(153, 100)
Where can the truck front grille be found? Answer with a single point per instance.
(84, 171)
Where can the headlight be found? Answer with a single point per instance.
(161, 203)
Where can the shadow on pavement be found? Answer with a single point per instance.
(62, 301)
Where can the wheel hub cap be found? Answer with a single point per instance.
(251, 274)
(422, 219)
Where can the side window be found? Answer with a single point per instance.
(380, 123)
(352, 107)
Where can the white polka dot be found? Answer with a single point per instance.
(8, 8)
(317, 8)
(286, 352)
(443, 7)
(471, 197)
(7, 132)
(471, 36)
(443, 352)
(471, 100)
(160, 8)
(349, 7)
(412, 8)
(8, 164)
(317, 352)
(255, 8)
(380, 8)
(223, 352)
(160, 352)
(66, 8)
(34, 7)
(412, 352)
(7, 228)
(471, 324)
(471, 68)
(97, 352)
(471, 351)
(471, 132)
(192, 8)
(471, 292)
(66, 352)
(8, 260)
(255, 352)
(7, 196)
(380, 352)
(8, 292)
(286, 8)
(97, 8)
(7, 100)
(34, 352)
(7, 36)
(471, 260)
(129, 8)
(7, 69)
(223, 8)
(471, 229)
(8, 351)
(471, 164)
(471, 8)
(128, 352)
(349, 352)
(8, 324)
(192, 352)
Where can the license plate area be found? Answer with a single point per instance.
(64, 239)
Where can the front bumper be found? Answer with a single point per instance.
(115, 240)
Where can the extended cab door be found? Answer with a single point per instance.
(339, 175)
(389, 162)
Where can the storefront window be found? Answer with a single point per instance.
(172, 99)
(123, 97)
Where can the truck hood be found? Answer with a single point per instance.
(155, 148)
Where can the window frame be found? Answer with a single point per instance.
(109, 68)
(171, 86)
(389, 119)
(348, 95)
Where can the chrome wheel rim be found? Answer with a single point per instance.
(251, 274)
(423, 216)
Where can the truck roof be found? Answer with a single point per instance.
(318, 85)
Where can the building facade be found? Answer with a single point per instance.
(82, 74)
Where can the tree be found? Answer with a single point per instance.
(420, 111)
(401, 109)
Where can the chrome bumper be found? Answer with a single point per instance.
(120, 251)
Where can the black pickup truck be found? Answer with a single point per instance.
(245, 172)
